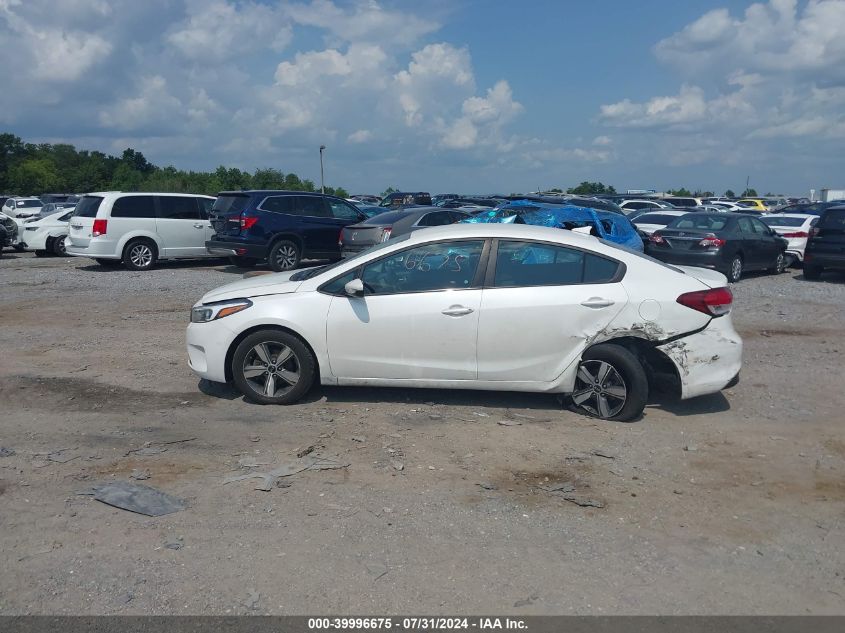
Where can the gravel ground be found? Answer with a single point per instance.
(729, 504)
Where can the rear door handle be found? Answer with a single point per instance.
(597, 302)
(457, 311)
(199, 226)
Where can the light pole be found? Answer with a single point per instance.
(322, 182)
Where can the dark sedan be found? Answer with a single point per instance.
(826, 245)
(731, 243)
(380, 228)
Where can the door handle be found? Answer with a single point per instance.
(199, 226)
(597, 302)
(457, 311)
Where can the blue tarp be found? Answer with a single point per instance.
(609, 226)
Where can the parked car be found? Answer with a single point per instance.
(812, 208)
(8, 232)
(628, 206)
(405, 198)
(475, 306)
(368, 199)
(753, 204)
(139, 229)
(22, 207)
(59, 197)
(726, 205)
(648, 223)
(51, 208)
(727, 242)
(47, 235)
(826, 244)
(282, 227)
(614, 227)
(795, 229)
(683, 201)
(380, 228)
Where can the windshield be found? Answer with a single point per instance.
(308, 273)
(28, 204)
(699, 221)
(230, 203)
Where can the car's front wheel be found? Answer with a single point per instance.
(273, 367)
(610, 384)
(780, 265)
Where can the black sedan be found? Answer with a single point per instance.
(380, 228)
(731, 243)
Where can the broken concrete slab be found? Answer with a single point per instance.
(136, 498)
(270, 477)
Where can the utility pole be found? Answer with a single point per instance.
(322, 181)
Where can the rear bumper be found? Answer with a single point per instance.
(714, 260)
(707, 361)
(95, 248)
(824, 260)
(236, 249)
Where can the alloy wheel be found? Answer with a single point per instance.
(736, 269)
(286, 257)
(141, 255)
(599, 389)
(271, 369)
(780, 264)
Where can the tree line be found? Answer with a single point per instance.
(35, 169)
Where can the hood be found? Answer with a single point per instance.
(270, 284)
(706, 276)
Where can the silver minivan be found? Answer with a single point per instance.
(138, 229)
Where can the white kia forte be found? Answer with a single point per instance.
(476, 306)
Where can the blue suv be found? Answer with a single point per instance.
(282, 227)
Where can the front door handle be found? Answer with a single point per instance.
(199, 226)
(597, 302)
(457, 311)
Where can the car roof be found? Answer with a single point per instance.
(677, 212)
(806, 216)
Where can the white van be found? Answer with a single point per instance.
(138, 229)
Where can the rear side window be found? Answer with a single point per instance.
(279, 204)
(520, 264)
(206, 204)
(312, 206)
(438, 218)
(833, 219)
(133, 207)
(87, 207)
(177, 208)
(343, 211)
(230, 204)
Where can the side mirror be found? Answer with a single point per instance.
(354, 288)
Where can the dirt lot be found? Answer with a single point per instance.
(726, 504)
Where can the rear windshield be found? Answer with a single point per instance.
(230, 204)
(387, 218)
(783, 221)
(654, 218)
(699, 221)
(87, 207)
(833, 219)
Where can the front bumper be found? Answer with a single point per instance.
(707, 361)
(236, 249)
(207, 346)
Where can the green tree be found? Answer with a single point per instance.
(11, 151)
(33, 176)
(388, 191)
(679, 192)
(591, 188)
(125, 178)
(730, 194)
(749, 193)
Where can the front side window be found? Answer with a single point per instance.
(760, 228)
(439, 266)
(534, 264)
(133, 207)
(177, 208)
(343, 211)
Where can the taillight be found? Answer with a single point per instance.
(656, 239)
(340, 238)
(248, 221)
(99, 228)
(714, 302)
(711, 241)
(798, 234)
(385, 233)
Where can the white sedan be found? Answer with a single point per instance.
(650, 222)
(476, 306)
(46, 235)
(795, 229)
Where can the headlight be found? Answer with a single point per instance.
(217, 310)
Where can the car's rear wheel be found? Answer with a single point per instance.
(140, 254)
(273, 367)
(243, 262)
(780, 265)
(58, 246)
(610, 384)
(735, 269)
(812, 272)
(283, 256)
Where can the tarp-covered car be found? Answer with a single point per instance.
(609, 226)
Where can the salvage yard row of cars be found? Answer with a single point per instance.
(617, 307)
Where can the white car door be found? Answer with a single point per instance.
(540, 305)
(180, 227)
(417, 318)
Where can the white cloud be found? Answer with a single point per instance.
(360, 136)
(152, 105)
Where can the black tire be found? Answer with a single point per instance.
(734, 272)
(812, 273)
(780, 265)
(243, 262)
(108, 263)
(19, 247)
(140, 254)
(301, 362)
(284, 255)
(40, 253)
(620, 395)
(58, 246)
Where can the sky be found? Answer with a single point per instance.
(463, 96)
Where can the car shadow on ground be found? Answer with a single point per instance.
(829, 276)
(167, 264)
(713, 403)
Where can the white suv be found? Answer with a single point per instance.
(139, 228)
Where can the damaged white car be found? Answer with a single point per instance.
(476, 306)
